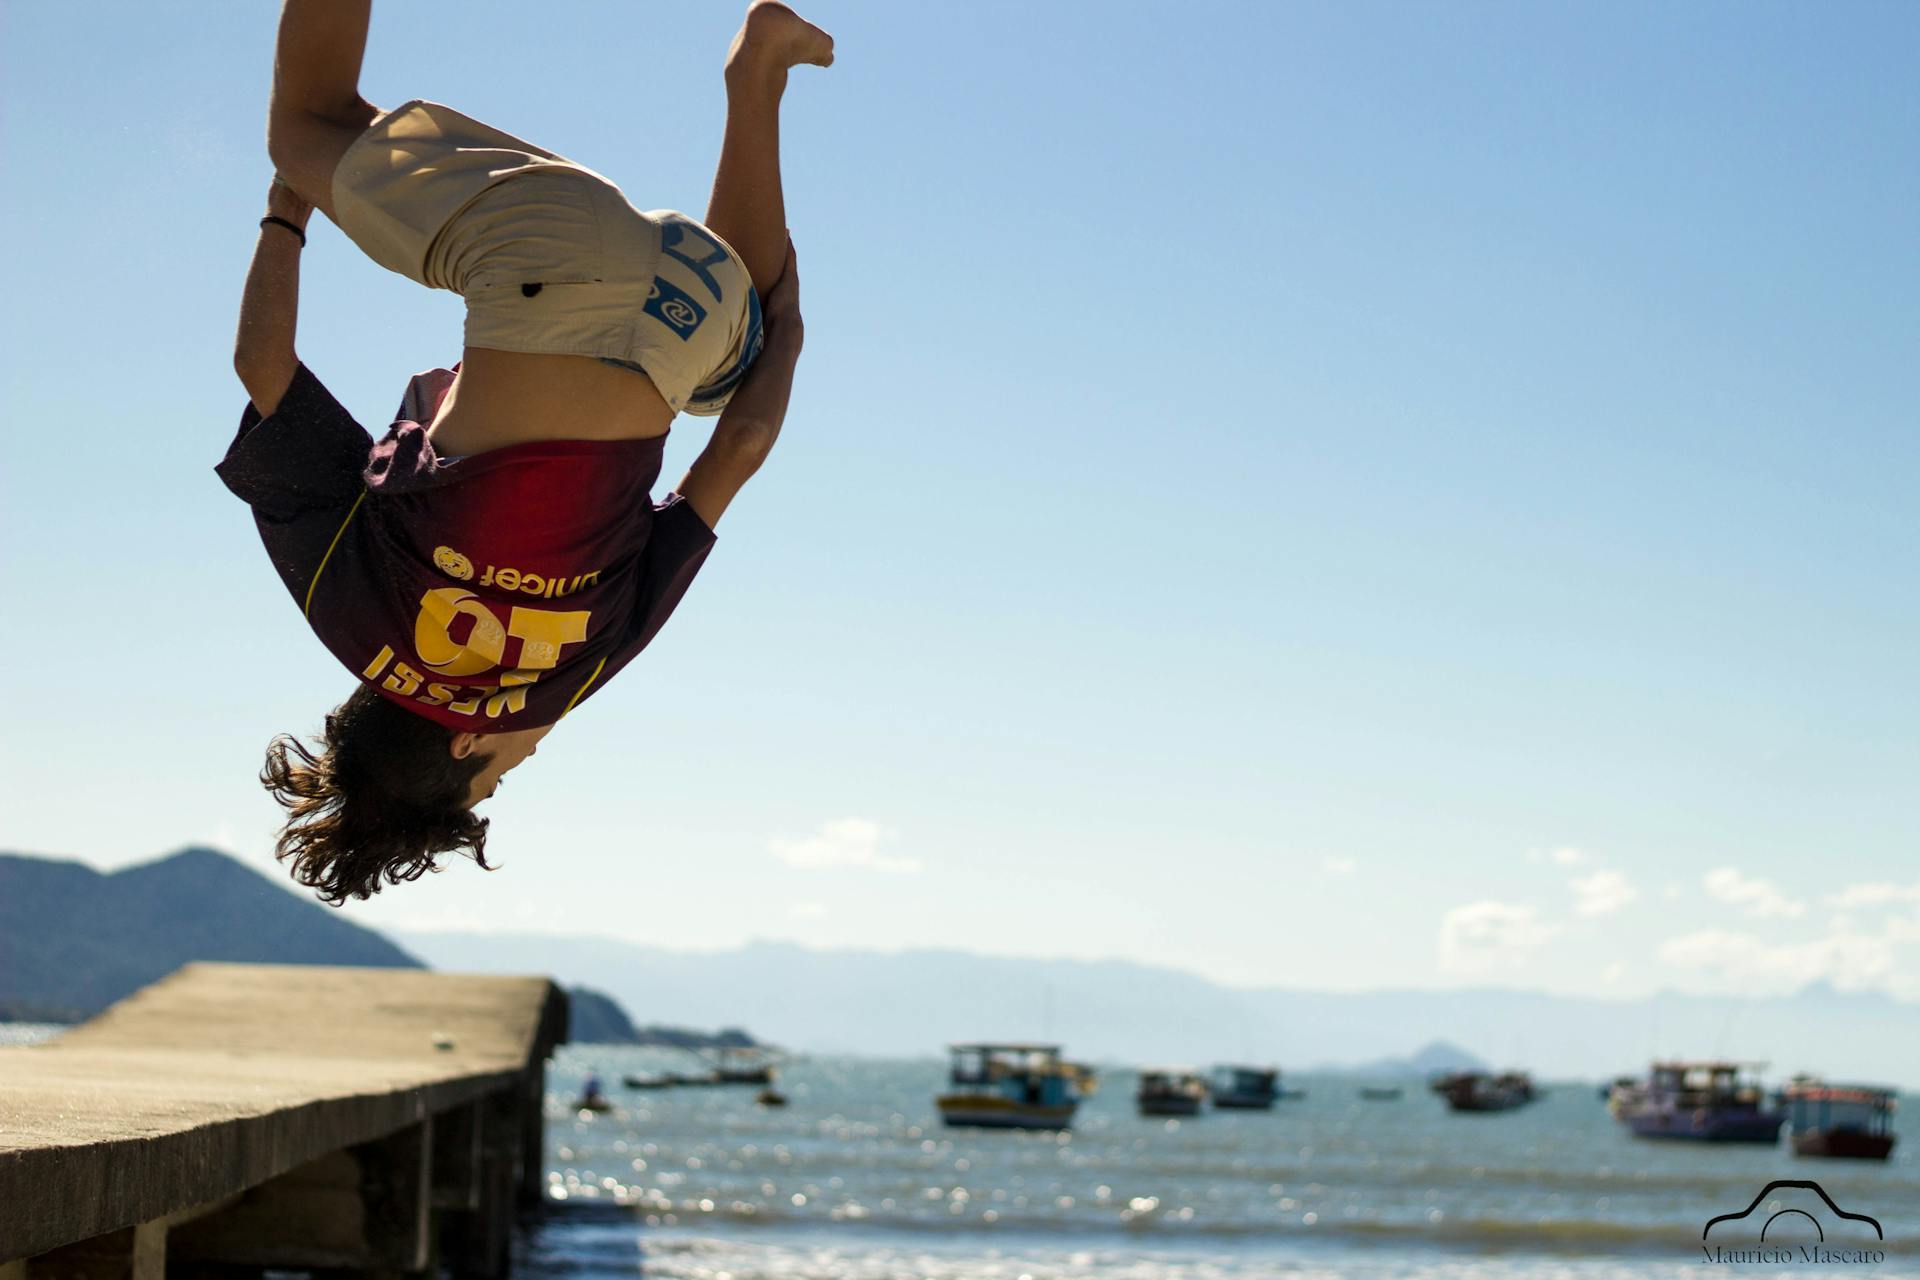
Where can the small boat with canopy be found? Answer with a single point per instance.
(1484, 1091)
(1848, 1122)
(1012, 1086)
(1171, 1091)
(1243, 1088)
(1699, 1102)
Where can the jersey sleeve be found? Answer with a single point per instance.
(299, 469)
(675, 550)
(307, 456)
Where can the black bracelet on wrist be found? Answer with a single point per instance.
(282, 222)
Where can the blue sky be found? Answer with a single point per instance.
(1330, 495)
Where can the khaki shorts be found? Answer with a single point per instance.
(548, 254)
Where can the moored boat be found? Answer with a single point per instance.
(1243, 1088)
(1011, 1086)
(1700, 1102)
(1380, 1092)
(1484, 1091)
(1170, 1091)
(1846, 1122)
(732, 1065)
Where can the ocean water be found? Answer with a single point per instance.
(856, 1179)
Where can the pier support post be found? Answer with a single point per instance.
(476, 1242)
(532, 1189)
(366, 1208)
(458, 1157)
(134, 1253)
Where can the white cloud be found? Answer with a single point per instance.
(1875, 894)
(807, 910)
(1904, 929)
(1614, 972)
(1851, 962)
(843, 842)
(1567, 857)
(1602, 893)
(1873, 948)
(1762, 899)
(1339, 866)
(1481, 937)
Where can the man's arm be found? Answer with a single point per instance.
(751, 422)
(263, 352)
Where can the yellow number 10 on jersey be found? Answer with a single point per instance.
(542, 633)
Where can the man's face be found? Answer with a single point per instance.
(503, 752)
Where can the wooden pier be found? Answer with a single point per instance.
(294, 1117)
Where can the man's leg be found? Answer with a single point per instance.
(747, 209)
(317, 110)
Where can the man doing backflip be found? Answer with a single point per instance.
(497, 556)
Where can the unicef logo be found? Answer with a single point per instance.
(452, 563)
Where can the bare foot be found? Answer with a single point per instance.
(774, 38)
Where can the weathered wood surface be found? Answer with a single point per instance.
(222, 1076)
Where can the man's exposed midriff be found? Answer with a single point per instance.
(502, 398)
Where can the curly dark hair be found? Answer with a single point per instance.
(375, 797)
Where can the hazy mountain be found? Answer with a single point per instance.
(74, 940)
(596, 1018)
(1431, 1060)
(699, 1041)
(913, 1003)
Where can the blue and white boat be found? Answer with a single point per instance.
(1012, 1086)
(1245, 1088)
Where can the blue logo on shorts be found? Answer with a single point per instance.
(673, 308)
(680, 232)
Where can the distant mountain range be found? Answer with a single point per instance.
(73, 940)
(912, 1003)
(1435, 1059)
(597, 1018)
(594, 1018)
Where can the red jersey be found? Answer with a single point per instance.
(487, 593)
